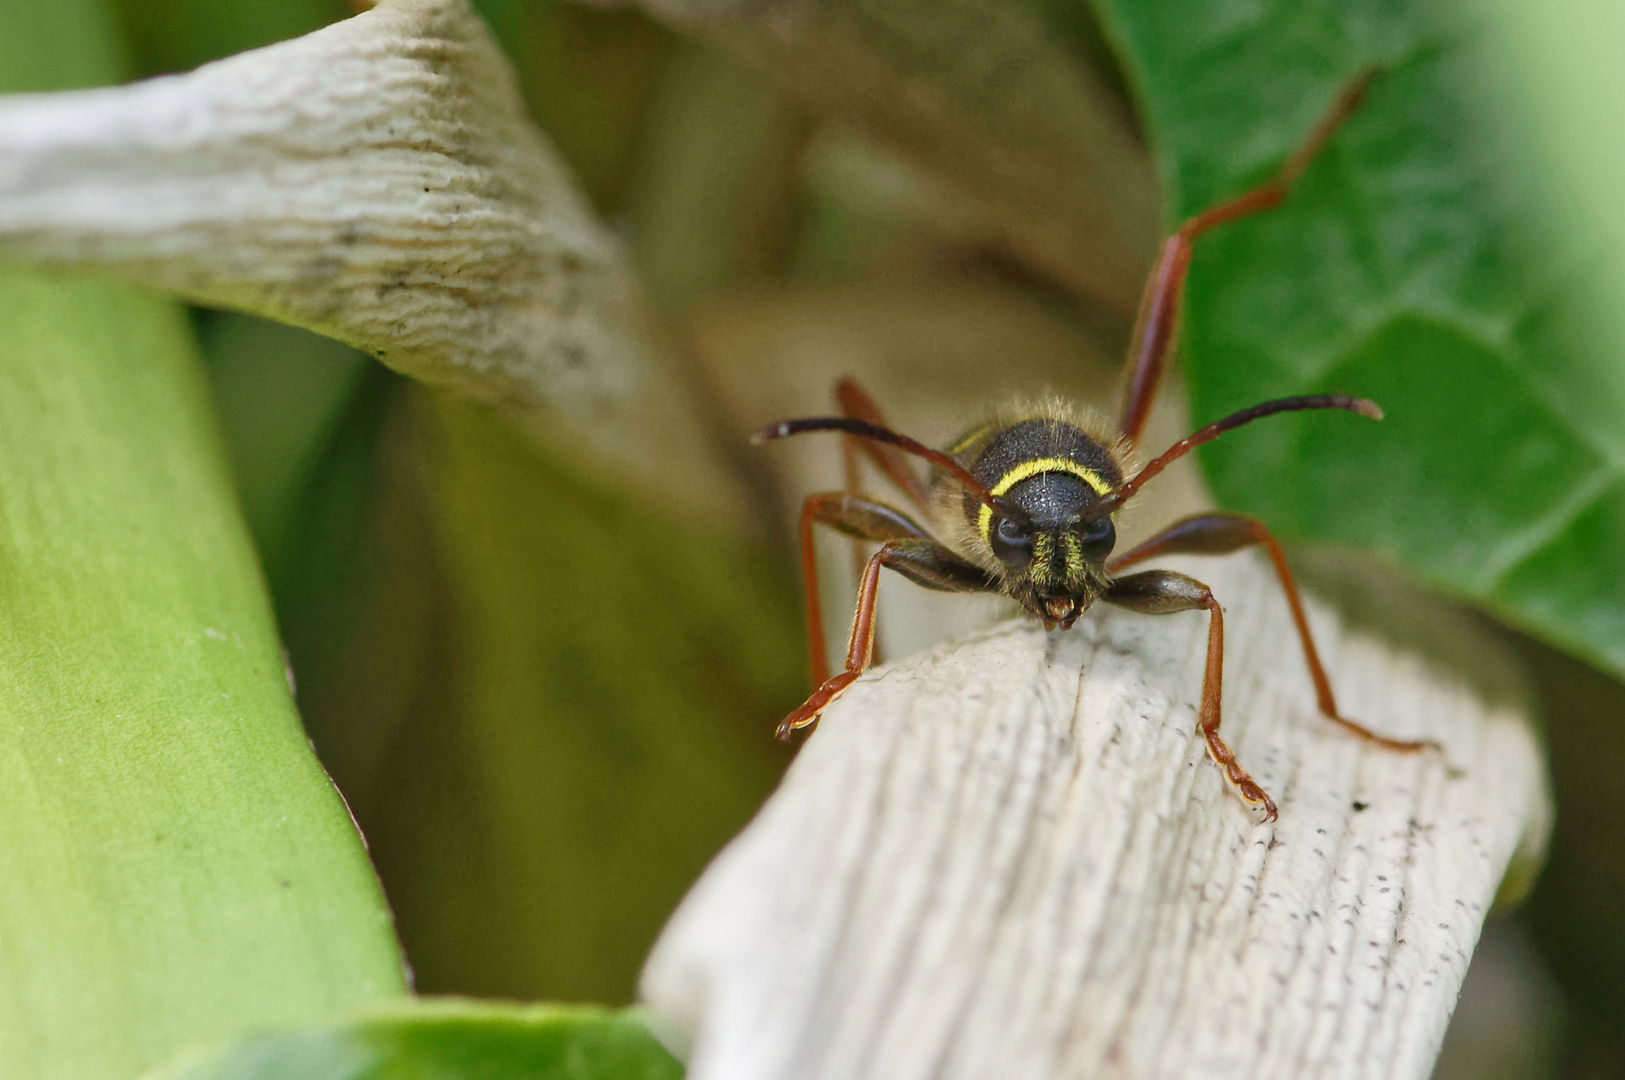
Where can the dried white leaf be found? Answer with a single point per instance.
(377, 181)
(1012, 857)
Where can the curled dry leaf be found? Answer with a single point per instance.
(1012, 857)
(972, 91)
(377, 181)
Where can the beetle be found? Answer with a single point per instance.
(1028, 499)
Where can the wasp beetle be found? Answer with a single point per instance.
(1024, 503)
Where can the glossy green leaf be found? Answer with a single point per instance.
(448, 1039)
(1402, 269)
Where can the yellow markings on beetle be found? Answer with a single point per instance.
(1075, 569)
(1026, 469)
(1038, 571)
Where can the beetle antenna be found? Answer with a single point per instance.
(873, 432)
(1363, 406)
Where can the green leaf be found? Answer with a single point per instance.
(550, 740)
(1395, 271)
(283, 395)
(178, 35)
(63, 45)
(449, 1039)
(175, 865)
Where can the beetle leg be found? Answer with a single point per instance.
(856, 404)
(918, 558)
(1163, 592)
(1163, 297)
(1222, 532)
(859, 518)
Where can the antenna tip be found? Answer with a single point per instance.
(769, 433)
(1367, 407)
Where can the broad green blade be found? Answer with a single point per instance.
(174, 864)
(1394, 271)
(448, 1039)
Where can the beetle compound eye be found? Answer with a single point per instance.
(1012, 544)
(1099, 537)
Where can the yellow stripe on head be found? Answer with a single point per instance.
(1029, 469)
